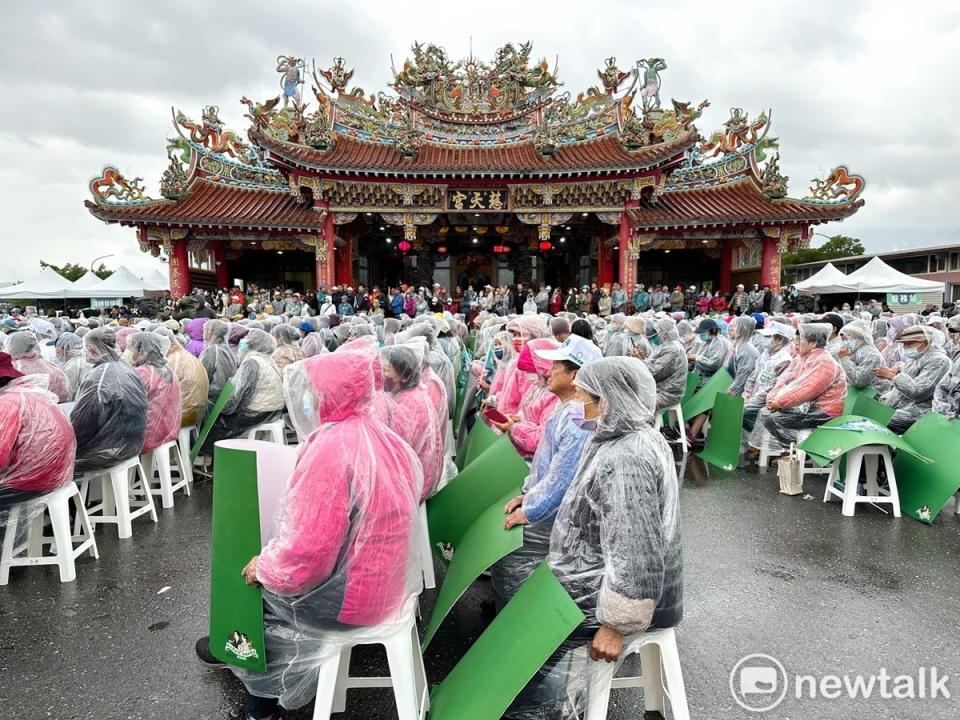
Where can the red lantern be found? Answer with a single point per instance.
(404, 245)
(501, 249)
(546, 245)
(442, 249)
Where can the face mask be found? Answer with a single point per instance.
(766, 343)
(705, 337)
(498, 353)
(913, 353)
(517, 344)
(655, 339)
(389, 384)
(577, 416)
(243, 346)
(850, 345)
(128, 356)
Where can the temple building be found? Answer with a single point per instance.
(471, 172)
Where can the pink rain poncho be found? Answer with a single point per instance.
(342, 554)
(539, 402)
(37, 443)
(195, 332)
(421, 428)
(123, 335)
(24, 348)
(516, 384)
(163, 390)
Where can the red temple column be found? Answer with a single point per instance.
(726, 266)
(604, 264)
(770, 263)
(324, 254)
(344, 264)
(179, 268)
(628, 266)
(220, 263)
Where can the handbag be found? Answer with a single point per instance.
(788, 472)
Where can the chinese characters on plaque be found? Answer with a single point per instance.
(477, 200)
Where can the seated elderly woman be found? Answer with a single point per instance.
(553, 468)
(37, 444)
(341, 558)
(217, 358)
(288, 345)
(859, 357)
(525, 428)
(668, 364)
(775, 358)
(69, 351)
(615, 545)
(630, 340)
(194, 385)
(24, 348)
(809, 392)
(423, 429)
(257, 391)
(946, 398)
(163, 389)
(110, 415)
(712, 351)
(916, 380)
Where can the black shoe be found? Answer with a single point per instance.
(206, 657)
(488, 610)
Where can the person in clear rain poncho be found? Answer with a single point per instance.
(916, 380)
(37, 444)
(668, 364)
(615, 545)
(163, 389)
(288, 345)
(743, 356)
(809, 392)
(24, 348)
(341, 557)
(711, 353)
(437, 358)
(859, 358)
(551, 472)
(69, 352)
(946, 398)
(773, 361)
(630, 340)
(194, 385)
(110, 415)
(402, 366)
(258, 391)
(217, 358)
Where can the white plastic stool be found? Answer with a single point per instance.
(57, 505)
(184, 440)
(661, 676)
(159, 459)
(674, 415)
(408, 678)
(122, 500)
(867, 456)
(271, 432)
(956, 503)
(423, 549)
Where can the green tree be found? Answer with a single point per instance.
(836, 247)
(74, 271)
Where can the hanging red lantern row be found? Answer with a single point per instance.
(442, 249)
(546, 245)
(501, 249)
(404, 245)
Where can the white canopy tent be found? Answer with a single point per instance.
(822, 281)
(87, 281)
(47, 284)
(878, 277)
(156, 282)
(121, 284)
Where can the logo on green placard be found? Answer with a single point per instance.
(240, 645)
(923, 513)
(446, 551)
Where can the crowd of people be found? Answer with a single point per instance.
(371, 390)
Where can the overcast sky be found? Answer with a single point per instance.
(869, 84)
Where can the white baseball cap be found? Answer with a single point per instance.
(576, 349)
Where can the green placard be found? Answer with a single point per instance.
(726, 426)
(867, 407)
(692, 380)
(842, 434)
(925, 488)
(509, 652)
(236, 609)
(702, 399)
(484, 543)
(854, 394)
(212, 418)
(450, 513)
(458, 410)
(480, 437)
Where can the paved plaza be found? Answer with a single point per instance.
(765, 573)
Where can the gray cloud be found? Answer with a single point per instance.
(862, 83)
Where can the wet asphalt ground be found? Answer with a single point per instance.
(765, 573)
